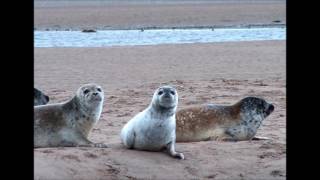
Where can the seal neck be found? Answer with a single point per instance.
(75, 104)
(88, 117)
(163, 111)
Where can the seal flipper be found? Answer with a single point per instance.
(234, 134)
(84, 142)
(242, 133)
(257, 138)
(92, 144)
(65, 143)
(171, 150)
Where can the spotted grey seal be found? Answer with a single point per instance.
(236, 122)
(69, 123)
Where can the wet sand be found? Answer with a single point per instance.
(75, 15)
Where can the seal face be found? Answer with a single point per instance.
(154, 128)
(256, 107)
(40, 98)
(216, 122)
(69, 123)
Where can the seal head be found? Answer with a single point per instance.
(255, 105)
(165, 98)
(40, 98)
(91, 96)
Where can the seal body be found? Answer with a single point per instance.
(154, 128)
(236, 122)
(39, 97)
(69, 123)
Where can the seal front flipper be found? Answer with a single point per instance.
(84, 142)
(100, 145)
(234, 134)
(226, 138)
(171, 150)
(92, 144)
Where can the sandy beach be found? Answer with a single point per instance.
(217, 73)
(220, 73)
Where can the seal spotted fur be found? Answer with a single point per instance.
(69, 123)
(217, 122)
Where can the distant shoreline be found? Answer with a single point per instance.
(278, 25)
(79, 15)
(66, 3)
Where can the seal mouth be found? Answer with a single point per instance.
(166, 100)
(96, 98)
(166, 106)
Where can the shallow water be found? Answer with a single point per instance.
(154, 36)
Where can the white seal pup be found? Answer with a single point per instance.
(236, 122)
(39, 98)
(154, 129)
(69, 123)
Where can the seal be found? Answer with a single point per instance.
(154, 129)
(236, 122)
(69, 124)
(39, 97)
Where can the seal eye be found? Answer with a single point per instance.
(86, 91)
(160, 92)
(172, 92)
(98, 89)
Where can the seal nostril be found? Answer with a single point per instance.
(95, 93)
(47, 98)
(271, 107)
(167, 95)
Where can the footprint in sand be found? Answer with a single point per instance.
(71, 157)
(191, 170)
(107, 111)
(191, 102)
(274, 145)
(277, 173)
(124, 114)
(90, 155)
(112, 169)
(47, 151)
(267, 155)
